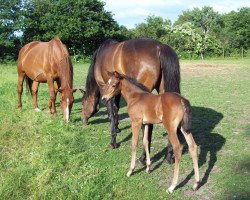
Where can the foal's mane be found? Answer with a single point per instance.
(135, 82)
(90, 81)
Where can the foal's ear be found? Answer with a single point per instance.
(109, 73)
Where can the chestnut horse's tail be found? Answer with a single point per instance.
(171, 69)
(28, 83)
(186, 123)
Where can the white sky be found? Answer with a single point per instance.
(131, 12)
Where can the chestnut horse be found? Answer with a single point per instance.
(168, 108)
(151, 63)
(47, 62)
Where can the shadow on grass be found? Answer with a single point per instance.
(203, 122)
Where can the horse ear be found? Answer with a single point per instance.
(82, 91)
(74, 90)
(59, 90)
(117, 75)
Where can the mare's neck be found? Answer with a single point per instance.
(129, 90)
(66, 74)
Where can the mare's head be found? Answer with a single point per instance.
(112, 87)
(66, 101)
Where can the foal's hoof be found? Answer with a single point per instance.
(114, 146)
(170, 189)
(196, 186)
(129, 173)
(37, 110)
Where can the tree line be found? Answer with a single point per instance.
(84, 24)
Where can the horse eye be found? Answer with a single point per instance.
(114, 85)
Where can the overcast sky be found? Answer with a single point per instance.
(131, 12)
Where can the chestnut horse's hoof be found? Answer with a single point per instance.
(55, 115)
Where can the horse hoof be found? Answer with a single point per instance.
(117, 130)
(55, 115)
(114, 146)
(196, 186)
(169, 160)
(37, 110)
(142, 160)
(148, 170)
(129, 173)
(170, 189)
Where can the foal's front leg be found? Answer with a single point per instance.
(146, 147)
(136, 126)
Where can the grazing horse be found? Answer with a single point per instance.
(47, 62)
(168, 108)
(151, 63)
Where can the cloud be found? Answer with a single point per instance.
(131, 12)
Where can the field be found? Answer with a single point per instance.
(44, 158)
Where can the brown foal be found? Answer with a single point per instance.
(168, 108)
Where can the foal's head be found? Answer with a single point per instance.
(112, 87)
(66, 101)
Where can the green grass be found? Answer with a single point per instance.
(44, 158)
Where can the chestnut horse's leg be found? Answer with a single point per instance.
(110, 108)
(172, 135)
(52, 96)
(135, 135)
(193, 152)
(142, 159)
(34, 90)
(21, 76)
(56, 87)
(146, 148)
(116, 109)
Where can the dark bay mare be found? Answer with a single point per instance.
(47, 62)
(143, 107)
(151, 63)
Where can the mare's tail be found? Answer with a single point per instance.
(186, 123)
(170, 69)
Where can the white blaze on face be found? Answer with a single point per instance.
(109, 81)
(67, 110)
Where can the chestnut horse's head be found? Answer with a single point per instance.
(66, 101)
(112, 87)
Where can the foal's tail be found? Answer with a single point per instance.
(28, 83)
(186, 123)
(170, 69)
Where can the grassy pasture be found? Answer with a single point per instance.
(44, 158)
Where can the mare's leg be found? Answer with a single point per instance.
(142, 159)
(52, 96)
(116, 109)
(193, 152)
(110, 108)
(56, 87)
(146, 148)
(21, 76)
(136, 125)
(172, 136)
(34, 90)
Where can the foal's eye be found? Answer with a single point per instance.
(114, 85)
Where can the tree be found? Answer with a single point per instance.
(81, 24)
(9, 25)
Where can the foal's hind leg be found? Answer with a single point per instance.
(34, 90)
(21, 76)
(172, 135)
(193, 152)
(142, 159)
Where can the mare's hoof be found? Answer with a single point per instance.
(196, 186)
(142, 160)
(37, 110)
(114, 146)
(117, 130)
(169, 160)
(170, 189)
